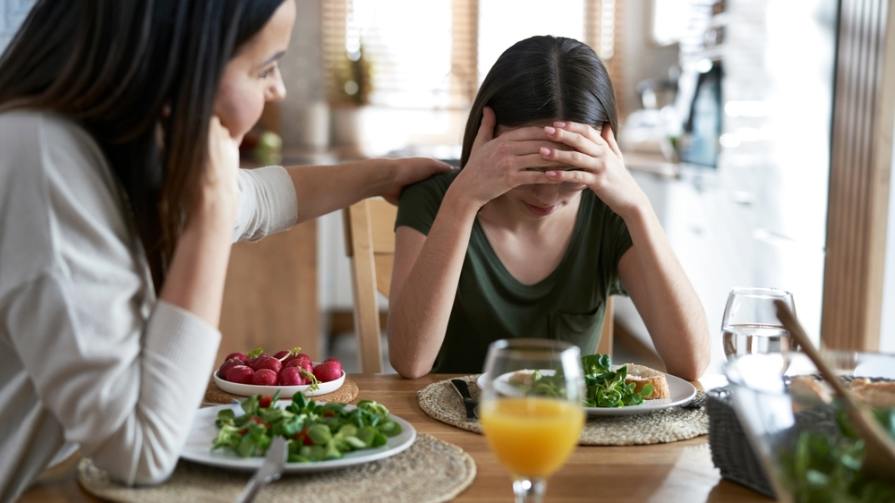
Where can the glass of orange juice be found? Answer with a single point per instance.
(531, 409)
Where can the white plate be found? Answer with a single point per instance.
(679, 393)
(203, 433)
(285, 391)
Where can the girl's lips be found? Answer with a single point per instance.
(540, 211)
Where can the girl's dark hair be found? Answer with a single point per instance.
(113, 66)
(543, 78)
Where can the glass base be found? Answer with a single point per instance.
(529, 490)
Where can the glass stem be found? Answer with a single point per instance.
(529, 490)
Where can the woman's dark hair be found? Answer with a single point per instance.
(113, 67)
(543, 78)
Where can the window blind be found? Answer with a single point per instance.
(434, 54)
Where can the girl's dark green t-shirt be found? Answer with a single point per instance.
(491, 304)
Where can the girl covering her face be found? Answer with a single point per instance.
(542, 223)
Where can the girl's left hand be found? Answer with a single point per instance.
(596, 162)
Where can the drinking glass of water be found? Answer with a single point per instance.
(750, 323)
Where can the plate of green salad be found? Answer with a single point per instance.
(321, 436)
(611, 390)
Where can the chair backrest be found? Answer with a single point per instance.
(605, 345)
(370, 244)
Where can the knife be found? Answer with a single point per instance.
(463, 390)
(270, 470)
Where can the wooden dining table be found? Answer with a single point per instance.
(673, 472)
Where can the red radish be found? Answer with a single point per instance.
(266, 362)
(290, 376)
(334, 359)
(227, 365)
(336, 362)
(265, 377)
(328, 371)
(264, 401)
(300, 363)
(237, 356)
(306, 366)
(298, 360)
(285, 355)
(240, 373)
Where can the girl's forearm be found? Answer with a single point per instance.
(673, 312)
(420, 311)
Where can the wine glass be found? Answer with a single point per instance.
(532, 409)
(750, 324)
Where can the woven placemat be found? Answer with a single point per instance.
(346, 393)
(429, 471)
(440, 401)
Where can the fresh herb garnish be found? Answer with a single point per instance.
(315, 431)
(605, 387)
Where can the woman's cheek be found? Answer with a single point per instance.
(239, 108)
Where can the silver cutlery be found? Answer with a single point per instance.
(469, 403)
(269, 471)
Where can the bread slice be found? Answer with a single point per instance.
(877, 394)
(641, 375)
(808, 387)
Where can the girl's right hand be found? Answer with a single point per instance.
(498, 165)
(217, 193)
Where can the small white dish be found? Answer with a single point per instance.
(680, 392)
(203, 433)
(285, 391)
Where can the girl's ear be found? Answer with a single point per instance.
(609, 136)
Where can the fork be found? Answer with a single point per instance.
(269, 471)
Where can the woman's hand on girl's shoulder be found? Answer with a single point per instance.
(595, 161)
(408, 171)
(499, 164)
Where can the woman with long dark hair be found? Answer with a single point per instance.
(542, 223)
(120, 195)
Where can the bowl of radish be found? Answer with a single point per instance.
(287, 371)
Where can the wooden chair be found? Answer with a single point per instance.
(370, 244)
(605, 345)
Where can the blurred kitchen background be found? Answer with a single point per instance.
(727, 120)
